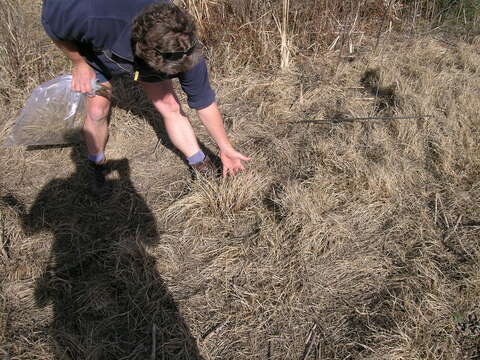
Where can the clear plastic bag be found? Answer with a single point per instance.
(52, 115)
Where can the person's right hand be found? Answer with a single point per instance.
(82, 75)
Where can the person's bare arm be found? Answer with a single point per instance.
(82, 73)
(231, 159)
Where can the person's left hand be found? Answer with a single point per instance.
(232, 162)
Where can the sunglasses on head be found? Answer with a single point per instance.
(172, 56)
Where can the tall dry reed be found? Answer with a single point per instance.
(268, 34)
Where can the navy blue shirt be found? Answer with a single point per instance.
(102, 30)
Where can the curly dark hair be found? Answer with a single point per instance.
(161, 29)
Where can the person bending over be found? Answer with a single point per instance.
(152, 41)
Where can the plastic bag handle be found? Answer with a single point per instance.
(95, 84)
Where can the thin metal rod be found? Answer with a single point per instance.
(336, 121)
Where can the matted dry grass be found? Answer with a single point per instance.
(342, 240)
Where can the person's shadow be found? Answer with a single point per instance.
(109, 301)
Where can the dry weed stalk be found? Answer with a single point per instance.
(284, 35)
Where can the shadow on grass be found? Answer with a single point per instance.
(385, 95)
(108, 299)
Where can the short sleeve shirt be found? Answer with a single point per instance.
(102, 31)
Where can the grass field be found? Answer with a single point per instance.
(351, 235)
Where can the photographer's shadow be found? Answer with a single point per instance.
(109, 301)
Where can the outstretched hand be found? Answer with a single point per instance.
(232, 162)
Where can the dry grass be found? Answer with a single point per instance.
(263, 34)
(345, 240)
